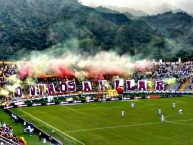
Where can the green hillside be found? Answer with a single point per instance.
(177, 29)
(32, 25)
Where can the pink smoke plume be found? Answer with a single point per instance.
(25, 71)
(60, 70)
(143, 65)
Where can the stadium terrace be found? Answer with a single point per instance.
(160, 77)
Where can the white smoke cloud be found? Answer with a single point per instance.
(79, 65)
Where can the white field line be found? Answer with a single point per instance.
(169, 116)
(178, 123)
(53, 127)
(97, 108)
(124, 126)
(70, 108)
(112, 127)
(182, 102)
(179, 120)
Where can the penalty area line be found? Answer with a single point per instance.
(53, 127)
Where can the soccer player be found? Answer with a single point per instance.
(123, 113)
(173, 104)
(132, 105)
(159, 111)
(180, 111)
(162, 118)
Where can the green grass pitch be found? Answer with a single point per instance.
(101, 123)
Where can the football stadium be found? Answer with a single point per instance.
(96, 72)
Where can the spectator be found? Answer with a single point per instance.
(40, 136)
(50, 139)
(44, 141)
(7, 132)
(4, 124)
(24, 123)
(31, 131)
(16, 119)
(26, 130)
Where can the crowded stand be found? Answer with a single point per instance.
(146, 76)
(7, 137)
(175, 76)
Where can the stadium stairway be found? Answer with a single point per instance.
(173, 86)
(184, 85)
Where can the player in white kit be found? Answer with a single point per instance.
(180, 111)
(162, 118)
(159, 111)
(132, 105)
(173, 104)
(123, 113)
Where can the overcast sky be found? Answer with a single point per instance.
(148, 6)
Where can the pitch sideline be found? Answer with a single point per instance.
(52, 127)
